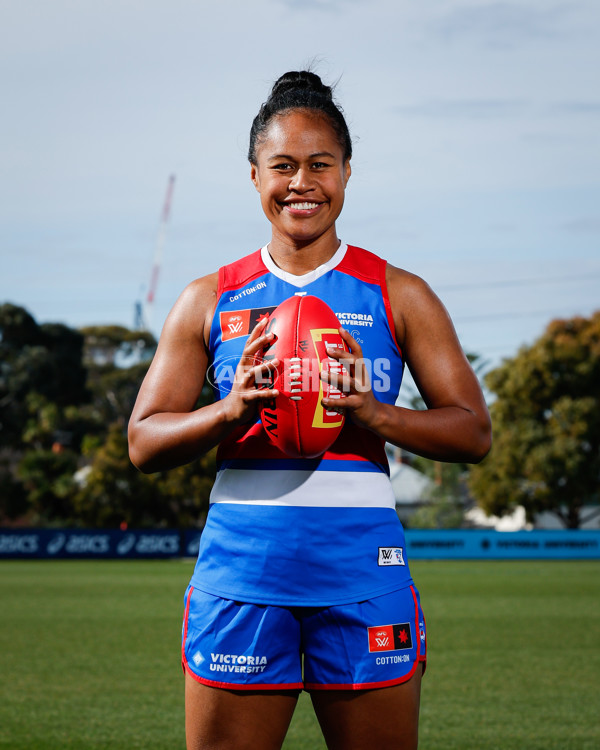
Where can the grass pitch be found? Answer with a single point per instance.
(89, 656)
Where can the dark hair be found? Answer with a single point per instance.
(300, 90)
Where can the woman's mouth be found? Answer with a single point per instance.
(305, 208)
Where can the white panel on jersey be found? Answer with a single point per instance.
(317, 489)
(305, 278)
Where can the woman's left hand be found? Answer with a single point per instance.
(358, 398)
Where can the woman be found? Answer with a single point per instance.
(304, 559)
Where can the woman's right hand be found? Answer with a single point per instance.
(165, 429)
(248, 390)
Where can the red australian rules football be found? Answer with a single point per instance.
(295, 420)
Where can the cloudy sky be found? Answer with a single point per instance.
(477, 148)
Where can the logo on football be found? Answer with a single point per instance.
(295, 420)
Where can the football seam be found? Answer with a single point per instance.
(296, 354)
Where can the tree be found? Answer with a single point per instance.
(546, 424)
(65, 400)
(445, 499)
(112, 491)
(45, 359)
(448, 497)
(47, 477)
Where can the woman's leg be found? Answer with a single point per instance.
(219, 719)
(364, 719)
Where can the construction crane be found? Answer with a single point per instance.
(144, 310)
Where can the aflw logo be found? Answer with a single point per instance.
(397, 637)
(235, 324)
(390, 556)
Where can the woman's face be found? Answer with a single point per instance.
(301, 176)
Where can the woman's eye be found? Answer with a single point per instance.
(282, 167)
(320, 165)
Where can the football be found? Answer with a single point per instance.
(295, 420)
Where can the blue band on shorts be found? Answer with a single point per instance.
(370, 644)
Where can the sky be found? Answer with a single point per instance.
(476, 129)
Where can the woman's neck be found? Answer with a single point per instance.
(299, 258)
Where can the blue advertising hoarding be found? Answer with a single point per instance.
(458, 544)
(89, 543)
(421, 544)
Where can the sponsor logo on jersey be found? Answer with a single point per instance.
(238, 663)
(390, 556)
(235, 323)
(352, 319)
(390, 637)
(197, 658)
(248, 290)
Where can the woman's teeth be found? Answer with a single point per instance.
(302, 206)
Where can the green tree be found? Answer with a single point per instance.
(65, 400)
(445, 500)
(44, 359)
(112, 491)
(47, 477)
(546, 423)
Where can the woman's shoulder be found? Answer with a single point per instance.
(405, 283)
(200, 291)
(414, 303)
(195, 306)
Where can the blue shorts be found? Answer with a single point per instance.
(239, 646)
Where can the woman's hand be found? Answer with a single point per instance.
(165, 429)
(455, 426)
(247, 391)
(359, 399)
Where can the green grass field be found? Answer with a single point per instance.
(89, 656)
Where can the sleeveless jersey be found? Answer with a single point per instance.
(303, 532)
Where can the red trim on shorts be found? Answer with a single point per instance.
(417, 629)
(363, 685)
(423, 657)
(236, 686)
(185, 628)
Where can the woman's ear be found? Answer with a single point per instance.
(254, 176)
(347, 172)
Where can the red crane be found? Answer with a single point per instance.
(143, 311)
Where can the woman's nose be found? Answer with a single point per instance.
(301, 181)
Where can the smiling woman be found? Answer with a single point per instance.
(301, 175)
(302, 579)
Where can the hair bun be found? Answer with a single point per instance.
(296, 80)
(299, 90)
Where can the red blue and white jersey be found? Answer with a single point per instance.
(303, 532)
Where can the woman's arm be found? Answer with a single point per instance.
(165, 430)
(456, 424)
